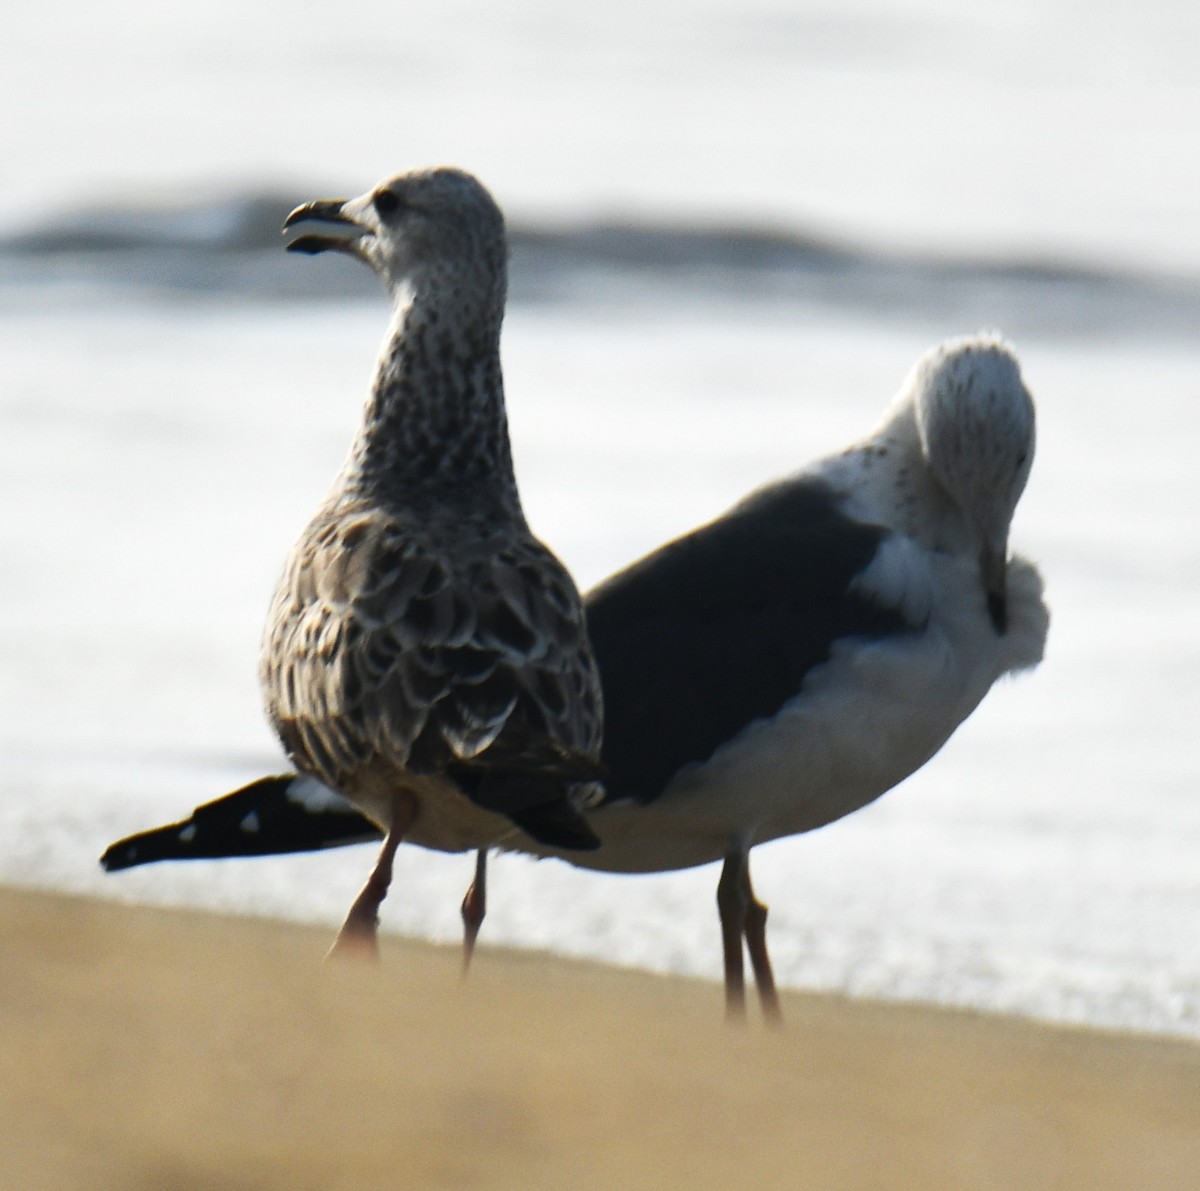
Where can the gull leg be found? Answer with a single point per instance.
(732, 905)
(756, 944)
(358, 937)
(474, 907)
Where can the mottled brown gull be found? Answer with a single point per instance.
(425, 655)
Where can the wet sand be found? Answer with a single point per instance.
(144, 1048)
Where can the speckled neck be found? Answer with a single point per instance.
(887, 480)
(434, 429)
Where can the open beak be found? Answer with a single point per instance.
(329, 211)
(994, 565)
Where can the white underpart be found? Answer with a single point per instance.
(900, 577)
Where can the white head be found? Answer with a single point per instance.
(975, 419)
(416, 227)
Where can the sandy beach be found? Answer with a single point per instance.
(146, 1049)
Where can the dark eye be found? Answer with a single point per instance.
(387, 202)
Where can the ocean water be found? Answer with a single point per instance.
(734, 229)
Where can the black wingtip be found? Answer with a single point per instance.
(122, 854)
(160, 843)
(260, 819)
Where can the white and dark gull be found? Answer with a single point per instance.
(785, 664)
(424, 655)
(802, 654)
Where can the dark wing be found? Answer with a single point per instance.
(719, 628)
(269, 816)
(384, 647)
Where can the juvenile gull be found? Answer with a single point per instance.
(424, 654)
(794, 659)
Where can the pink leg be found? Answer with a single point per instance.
(358, 937)
(744, 916)
(474, 907)
(731, 905)
(760, 961)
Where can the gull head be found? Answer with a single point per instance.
(976, 423)
(427, 224)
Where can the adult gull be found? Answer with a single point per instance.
(802, 654)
